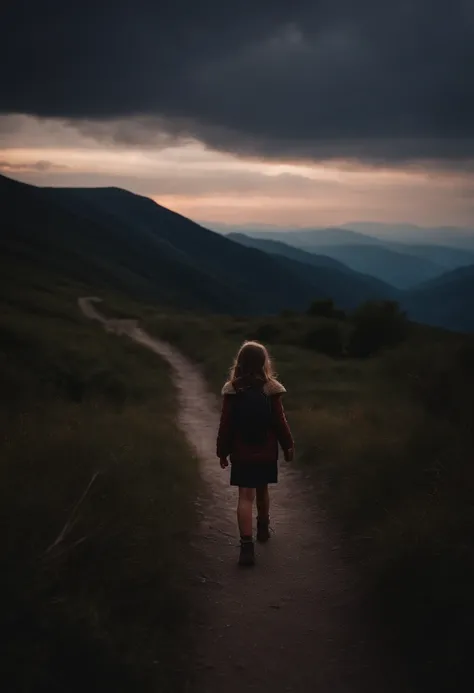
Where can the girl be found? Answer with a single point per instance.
(252, 424)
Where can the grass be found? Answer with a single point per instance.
(96, 502)
(389, 441)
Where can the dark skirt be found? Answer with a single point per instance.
(253, 474)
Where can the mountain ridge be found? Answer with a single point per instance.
(109, 238)
(107, 235)
(375, 259)
(320, 261)
(446, 301)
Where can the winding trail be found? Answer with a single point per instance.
(294, 623)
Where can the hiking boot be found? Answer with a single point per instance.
(247, 553)
(263, 530)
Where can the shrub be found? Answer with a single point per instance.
(377, 324)
(325, 308)
(326, 338)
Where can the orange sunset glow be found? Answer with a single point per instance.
(212, 186)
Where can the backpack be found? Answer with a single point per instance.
(252, 414)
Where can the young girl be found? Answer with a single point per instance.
(252, 424)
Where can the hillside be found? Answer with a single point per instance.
(365, 286)
(420, 253)
(114, 239)
(447, 301)
(66, 231)
(274, 247)
(400, 269)
(85, 415)
(362, 254)
(441, 255)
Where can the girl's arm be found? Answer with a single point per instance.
(282, 428)
(224, 433)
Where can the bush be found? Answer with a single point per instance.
(325, 308)
(377, 325)
(326, 338)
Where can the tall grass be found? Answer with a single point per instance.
(96, 506)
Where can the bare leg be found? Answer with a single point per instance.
(263, 507)
(244, 511)
(263, 502)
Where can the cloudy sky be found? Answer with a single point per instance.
(310, 112)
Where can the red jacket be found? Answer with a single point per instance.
(229, 443)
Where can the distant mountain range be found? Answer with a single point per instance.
(360, 253)
(400, 264)
(448, 236)
(322, 262)
(301, 237)
(110, 238)
(368, 232)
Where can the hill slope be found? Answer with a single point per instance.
(113, 238)
(400, 269)
(274, 247)
(447, 301)
(367, 287)
(441, 255)
(446, 248)
(362, 254)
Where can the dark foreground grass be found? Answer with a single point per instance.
(389, 441)
(96, 491)
(96, 485)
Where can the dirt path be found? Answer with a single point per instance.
(294, 622)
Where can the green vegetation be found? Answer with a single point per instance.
(96, 502)
(325, 308)
(100, 485)
(389, 441)
(377, 325)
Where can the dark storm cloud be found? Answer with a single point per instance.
(371, 79)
